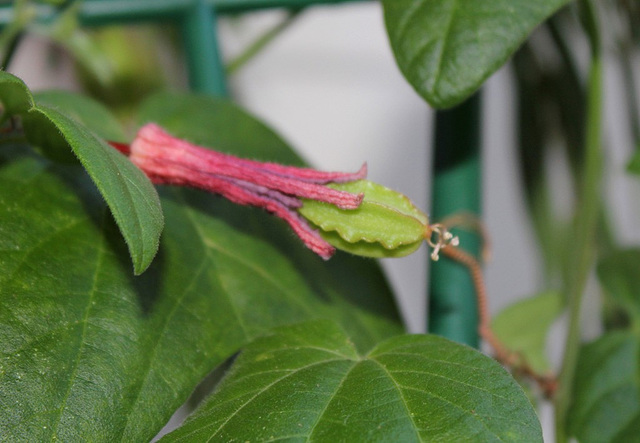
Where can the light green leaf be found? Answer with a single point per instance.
(386, 224)
(523, 327)
(447, 48)
(130, 195)
(606, 406)
(619, 273)
(308, 383)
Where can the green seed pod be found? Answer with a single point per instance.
(386, 224)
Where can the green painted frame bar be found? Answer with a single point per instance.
(102, 12)
(456, 188)
(206, 68)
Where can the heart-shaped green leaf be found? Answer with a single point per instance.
(386, 224)
(523, 327)
(447, 48)
(307, 382)
(606, 406)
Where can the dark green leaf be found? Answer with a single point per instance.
(14, 95)
(523, 327)
(307, 382)
(446, 49)
(130, 195)
(606, 406)
(355, 284)
(619, 273)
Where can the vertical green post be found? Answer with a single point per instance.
(456, 189)
(206, 70)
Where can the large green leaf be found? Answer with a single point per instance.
(523, 327)
(307, 382)
(619, 273)
(88, 352)
(447, 48)
(129, 194)
(606, 406)
(356, 284)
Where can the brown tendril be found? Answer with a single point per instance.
(441, 240)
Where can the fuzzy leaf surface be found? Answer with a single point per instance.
(447, 48)
(128, 192)
(307, 382)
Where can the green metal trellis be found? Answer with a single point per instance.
(456, 174)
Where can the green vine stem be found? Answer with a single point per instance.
(261, 42)
(586, 221)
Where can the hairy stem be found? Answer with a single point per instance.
(504, 355)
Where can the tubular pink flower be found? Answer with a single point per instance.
(271, 186)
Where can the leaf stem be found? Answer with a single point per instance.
(585, 223)
(260, 43)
